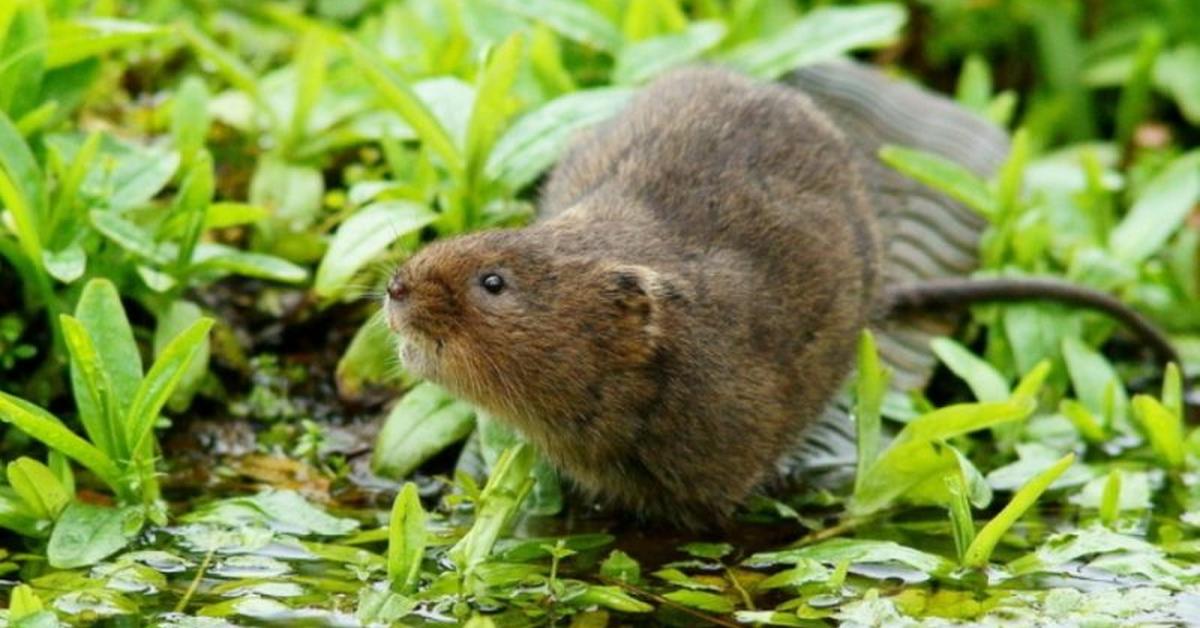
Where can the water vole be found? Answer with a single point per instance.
(686, 306)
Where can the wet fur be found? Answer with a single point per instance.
(687, 304)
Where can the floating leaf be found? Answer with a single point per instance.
(86, 534)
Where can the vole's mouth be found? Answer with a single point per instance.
(420, 352)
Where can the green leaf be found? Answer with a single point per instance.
(22, 56)
(572, 19)
(506, 488)
(399, 96)
(86, 534)
(974, 89)
(281, 511)
(710, 551)
(943, 175)
(310, 70)
(986, 383)
(191, 206)
(190, 119)
(1135, 94)
(121, 175)
(37, 485)
(176, 318)
(806, 570)
(1110, 501)
(65, 265)
(962, 523)
(369, 360)
(232, 69)
(16, 515)
(1163, 428)
(228, 214)
(219, 259)
(1172, 390)
(820, 35)
(639, 62)
(131, 237)
(103, 316)
(46, 428)
(1083, 420)
(537, 139)
(161, 380)
(1159, 211)
(366, 234)
(843, 550)
(23, 602)
(612, 598)
(406, 539)
(1095, 382)
(491, 110)
(620, 566)
(870, 388)
(22, 190)
(290, 193)
(917, 454)
(980, 551)
(423, 423)
(72, 41)
(99, 409)
(702, 600)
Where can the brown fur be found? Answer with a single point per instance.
(688, 303)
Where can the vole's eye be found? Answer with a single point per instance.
(492, 282)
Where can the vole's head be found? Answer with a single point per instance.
(504, 320)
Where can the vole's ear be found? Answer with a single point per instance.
(636, 292)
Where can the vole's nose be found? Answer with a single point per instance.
(397, 290)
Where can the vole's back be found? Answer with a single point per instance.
(747, 201)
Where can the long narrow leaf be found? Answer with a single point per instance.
(100, 416)
(46, 428)
(985, 542)
(21, 187)
(160, 382)
(399, 96)
(406, 539)
(869, 391)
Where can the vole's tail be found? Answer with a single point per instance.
(935, 294)
(926, 234)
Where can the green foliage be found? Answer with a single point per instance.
(118, 405)
(158, 157)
